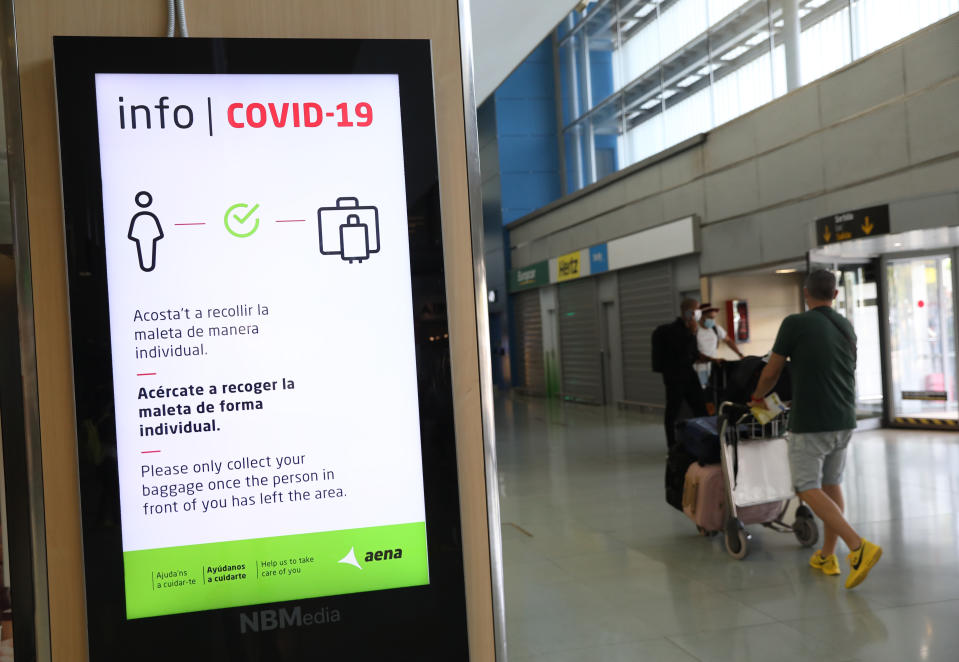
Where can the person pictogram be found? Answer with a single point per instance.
(146, 231)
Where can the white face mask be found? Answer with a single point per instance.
(694, 314)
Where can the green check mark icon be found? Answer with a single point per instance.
(234, 222)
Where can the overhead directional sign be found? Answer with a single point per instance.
(854, 224)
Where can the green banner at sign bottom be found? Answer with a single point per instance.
(176, 580)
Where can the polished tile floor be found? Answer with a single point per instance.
(599, 568)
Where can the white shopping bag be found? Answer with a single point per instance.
(763, 471)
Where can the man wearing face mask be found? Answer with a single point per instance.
(708, 336)
(679, 351)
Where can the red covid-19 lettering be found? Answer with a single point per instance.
(258, 115)
(294, 114)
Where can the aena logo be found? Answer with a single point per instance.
(383, 555)
(265, 620)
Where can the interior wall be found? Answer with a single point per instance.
(526, 133)
(771, 298)
(759, 182)
(36, 23)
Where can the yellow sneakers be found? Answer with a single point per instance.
(828, 564)
(861, 562)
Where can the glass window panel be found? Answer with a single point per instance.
(878, 23)
(743, 89)
(825, 45)
(720, 9)
(605, 126)
(646, 139)
(686, 91)
(680, 23)
(601, 41)
(687, 117)
(639, 51)
(586, 57)
(780, 86)
(643, 118)
(686, 66)
(740, 62)
(931, 11)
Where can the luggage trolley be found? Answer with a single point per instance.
(755, 464)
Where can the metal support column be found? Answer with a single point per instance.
(791, 35)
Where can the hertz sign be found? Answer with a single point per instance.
(855, 224)
(568, 266)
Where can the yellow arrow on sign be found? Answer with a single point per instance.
(827, 235)
(868, 227)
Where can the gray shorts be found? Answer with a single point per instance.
(817, 458)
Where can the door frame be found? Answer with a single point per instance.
(889, 417)
(836, 264)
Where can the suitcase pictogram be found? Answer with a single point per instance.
(354, 240)
(349, 230)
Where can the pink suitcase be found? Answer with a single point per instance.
(704, 500)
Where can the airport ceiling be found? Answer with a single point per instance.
(505, 32)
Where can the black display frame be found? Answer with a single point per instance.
(422, 623)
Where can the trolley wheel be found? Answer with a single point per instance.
(807, 533)
(803, 511)
(737, 540)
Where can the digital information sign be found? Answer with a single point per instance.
(263, 360)
(257, 278)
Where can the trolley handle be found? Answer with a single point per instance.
(734, 412)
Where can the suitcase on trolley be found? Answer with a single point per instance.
(704, 500)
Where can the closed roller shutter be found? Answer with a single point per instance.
(579, 341)
(531, 372)
(646, 300)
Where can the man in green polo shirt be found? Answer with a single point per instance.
(822, 347)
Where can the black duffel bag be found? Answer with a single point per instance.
(740, 379)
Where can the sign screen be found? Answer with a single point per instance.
(262, 336)
(261, 352)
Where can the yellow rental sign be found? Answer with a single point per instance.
(568, 266)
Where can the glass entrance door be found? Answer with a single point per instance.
(858, 302)
(922, 342)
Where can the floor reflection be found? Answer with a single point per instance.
(598, 567)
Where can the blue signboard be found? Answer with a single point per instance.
(598, 260)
